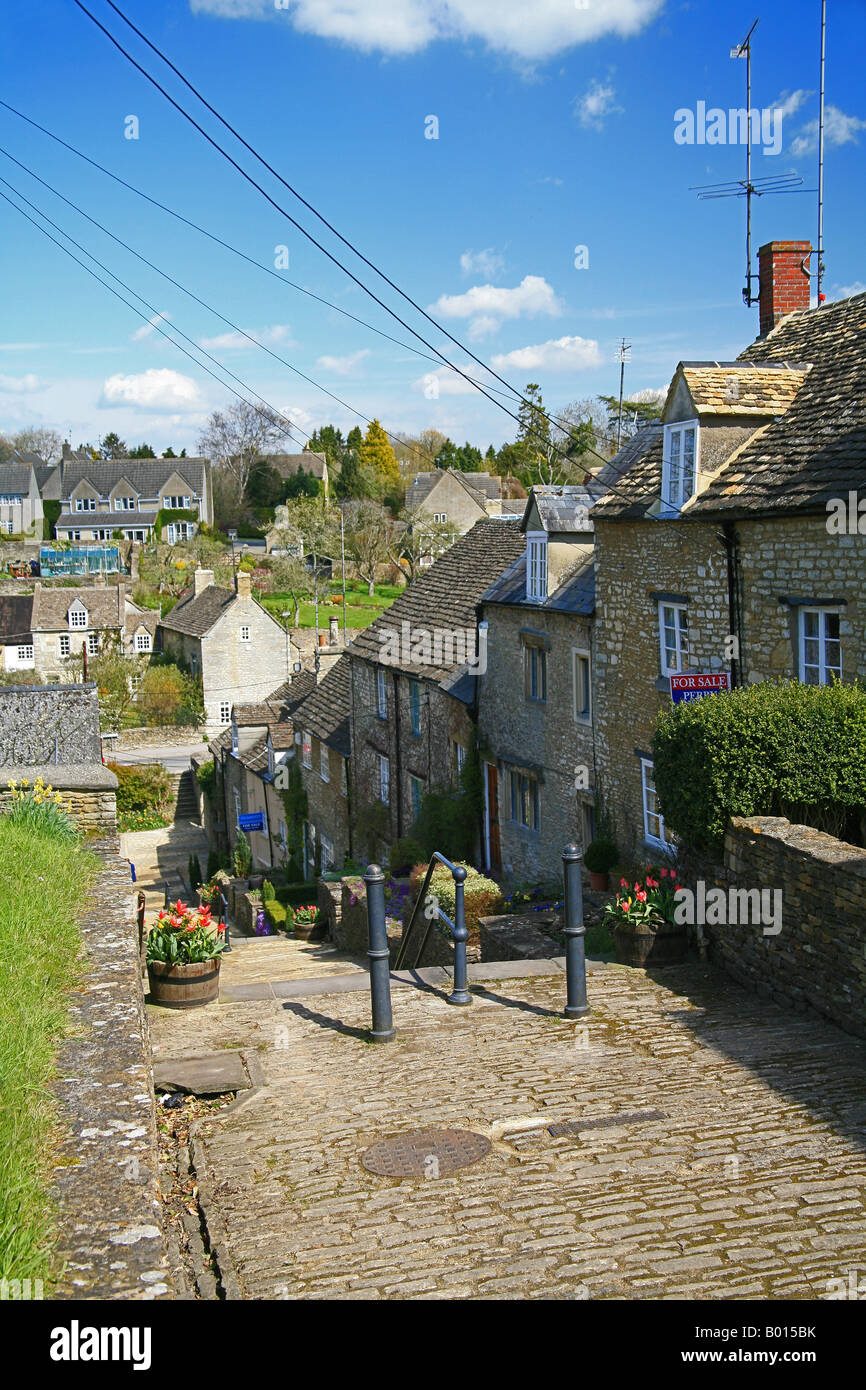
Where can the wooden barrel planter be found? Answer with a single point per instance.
(667, 945)
(184, 986)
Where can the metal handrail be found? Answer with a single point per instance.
(404, 943)
(459, 935)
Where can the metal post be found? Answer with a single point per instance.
(165, 886)
(225, 919)
(379, 957)
(460, 993)
(574, 931)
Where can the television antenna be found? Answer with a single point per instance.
(623, 355)
(748, 187)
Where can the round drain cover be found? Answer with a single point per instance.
(428, 1153)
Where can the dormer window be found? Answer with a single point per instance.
(536, 566)
(680, 463)
(77, 617)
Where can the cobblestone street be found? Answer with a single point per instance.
(750, 1182)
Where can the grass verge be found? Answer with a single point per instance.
(43, 888)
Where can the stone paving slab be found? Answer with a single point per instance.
(751, 1183)
(210, 1075)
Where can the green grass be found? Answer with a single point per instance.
(361, 609)
(41, 893)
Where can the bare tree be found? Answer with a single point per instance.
(40, 440)
(416, 537)
(369, 533)
(291, 576)
(236, 437)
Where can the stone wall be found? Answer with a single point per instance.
(168, 737)
(48, 724)
(517, 937)
(89, 793)
(327, 801)
(329, 899)
(817, 959)
(105, 1182)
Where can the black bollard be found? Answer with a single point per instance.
(574, 931)
(460, 993)
(379, 957)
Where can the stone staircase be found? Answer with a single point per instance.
(186, 801)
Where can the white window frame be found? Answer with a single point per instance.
(85, 504)
(674, 494)
(536, 566)
(324, 762)
(64, 645)
(524, 800)
(384, 780)
(381, 693)
(578, 655)
(824, 669)
(244, 634)
(681, 639)
(648, 789)
(327, 858)
(225, 713)
(93, 644)
(125, 503)
(441, 517)
(143, 642)
(26, 655)
(307, 748)
(72, 618)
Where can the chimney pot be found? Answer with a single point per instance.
(334, 631)
(202, 579)
(784, 284)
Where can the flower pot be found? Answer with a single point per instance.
(645, 948)
(599, 883)
(303, 930)
(184, 986)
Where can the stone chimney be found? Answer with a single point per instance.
(783, 279)
(66, 451)
(334, 631)
(202, 579)
(244, 584)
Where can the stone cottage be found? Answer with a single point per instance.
(447, 495)
(49, 629)
(227, 639)
(735, 547)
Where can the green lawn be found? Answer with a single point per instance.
(361, 609)
(42, 890)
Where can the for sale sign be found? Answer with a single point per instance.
(684, 688)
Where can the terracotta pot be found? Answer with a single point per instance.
(184, 986)
(645, 948)
(599, 883)
(304, 930)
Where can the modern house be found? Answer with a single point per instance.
(735, 546)
(21, 511)
(227, 639)
(413, 685)
(135, 497)
(535, 711)
(46, 631)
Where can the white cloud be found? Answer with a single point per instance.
(445, 382)
(839, 129)
(488, 263)
(557, 355)
(485, 306)
(847, 291)
(406, 26)
(236, 342)
(343, 366)
(147, 328)
(21, 385)
(597, 103)
(651, 394)
(156, 389)
(789, 103)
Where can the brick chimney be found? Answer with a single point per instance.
(244, 584)
(202, 579)
(784, 284)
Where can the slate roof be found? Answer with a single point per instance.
(289, 465)
(107, 521)
(576, 594)
(743, 388)
(146, 476)
(813, 451)
(325, 713)
(16, 617)
(479, 485)
(563, 510)
(105, 607)
(446, 595)
(15, 479)
(194, 617)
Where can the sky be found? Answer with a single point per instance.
(514, 169)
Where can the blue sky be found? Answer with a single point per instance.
(555, 130)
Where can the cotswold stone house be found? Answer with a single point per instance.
(48, 630)
(20, 504)
(535, 712)
(736, 545)
(322, 722)
(100, 496)
(461, 498)
(412, 686)
(228, 640)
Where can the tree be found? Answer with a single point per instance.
(264, 485)
(236, 437)
(112, 672)
(369, 538)
(169, 453)
(37, 439)
(447, 455)
(168, 695)
(113, 447)
(378, 456)
(142, 451)
(635, 413)
(416, 538)
(356, 479)
(291, 576)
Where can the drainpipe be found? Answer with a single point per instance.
(730, 541)
(397, 763)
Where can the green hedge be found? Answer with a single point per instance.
(141, 787)
(297, 893)
(772, 749)
(275, 913)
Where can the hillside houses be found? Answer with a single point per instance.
(21, 509)
(98, 497)
(447, 495)
(49, 629)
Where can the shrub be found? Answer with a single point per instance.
(205, 775)
(600, 856)
(214, 864)
(39, 810)
(268, 892)
(482, 897)
(404, 854)
(242, 858)
(275, 913)
(143, 787)
(772, 749)
(293, 893)
(169, 696)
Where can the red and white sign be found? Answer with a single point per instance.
(684, 688)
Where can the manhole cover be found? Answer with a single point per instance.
(605, 1122)
(429, 1153)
